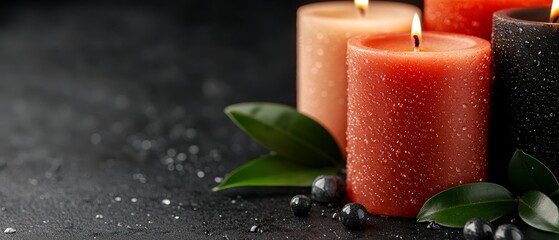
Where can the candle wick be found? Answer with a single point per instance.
(416, 42)
(555, 19)
(362, 11)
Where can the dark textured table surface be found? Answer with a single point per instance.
(108, 109)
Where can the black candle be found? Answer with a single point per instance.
(525, 99)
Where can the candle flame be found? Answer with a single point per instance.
(362, 6)
(554, 15)
(416, 32)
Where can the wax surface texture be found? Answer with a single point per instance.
(525, 102)
(417, 121)
(472, 17)
(322, 33)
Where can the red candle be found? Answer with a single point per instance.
(472, 17)
(417, 118)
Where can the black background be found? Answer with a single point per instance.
(99, 98)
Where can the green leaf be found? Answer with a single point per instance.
(455, 206)
(538, 211)
(272, 171)
(291, 134)
(527, 173)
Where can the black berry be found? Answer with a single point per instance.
(328, 189)
(300, 205)
(478, 229)
(353, 216)
(508, 232)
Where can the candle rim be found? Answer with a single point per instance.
(511, 15)
(477, 44)
(310, 11)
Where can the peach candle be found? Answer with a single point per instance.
(322, 33)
